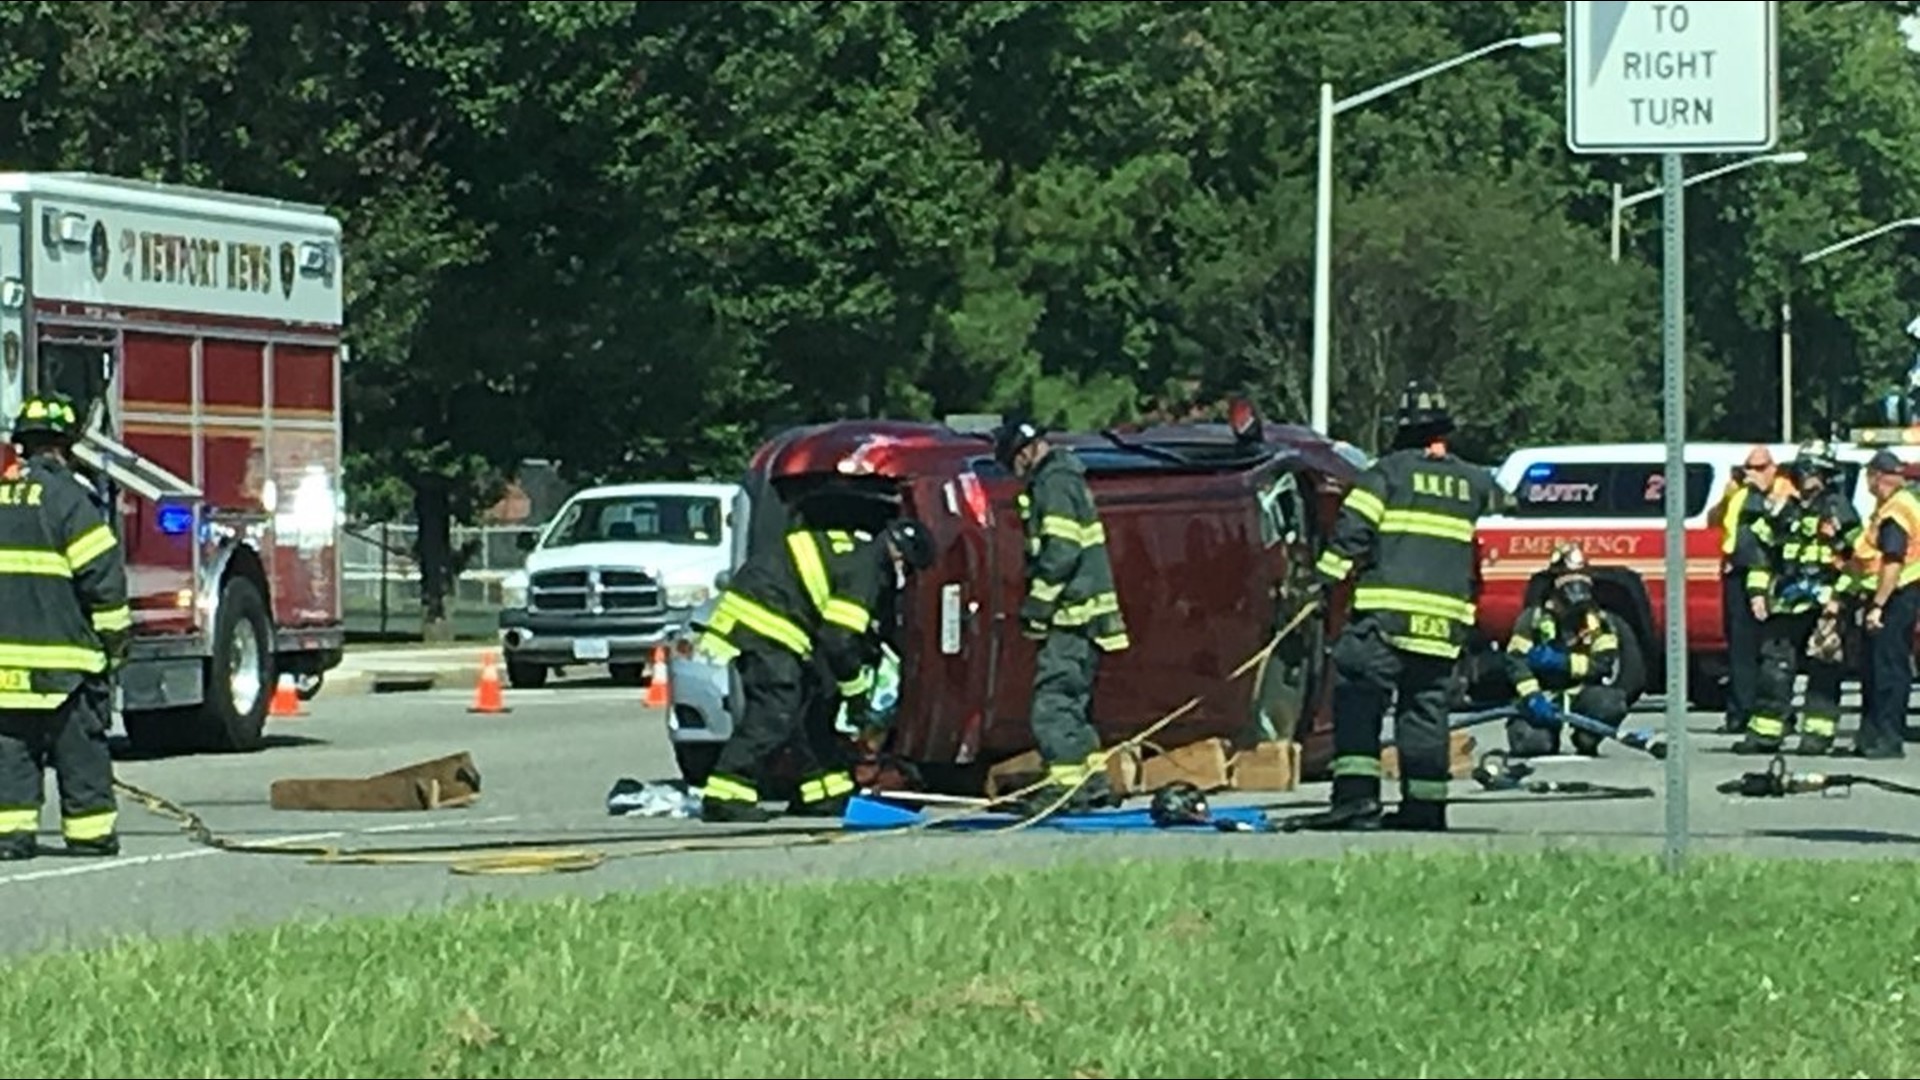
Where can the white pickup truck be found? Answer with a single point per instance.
(611, 577)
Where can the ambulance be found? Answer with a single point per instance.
(199, 334)
(1610, 499)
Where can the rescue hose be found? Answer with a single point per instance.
(1776, 782)
(550, 856)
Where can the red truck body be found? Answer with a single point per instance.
(200, 333)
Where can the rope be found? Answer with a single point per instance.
(549, 856)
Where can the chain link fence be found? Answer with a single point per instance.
(381, 578)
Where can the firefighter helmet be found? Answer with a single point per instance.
(1179, 803)
(1423, 409)
(1572, 588)
(909, 537)
(1013, 436)
(1815, 458)
(50, 414)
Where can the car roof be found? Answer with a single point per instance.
(898, 449)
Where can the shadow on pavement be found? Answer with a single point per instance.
(124, 751)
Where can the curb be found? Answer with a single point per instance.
(355, 683)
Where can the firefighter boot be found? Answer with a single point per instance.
(99, 847)
(1811, 745)
(1417, 815)
(15, 847)
(1355, 808)
(833, 807)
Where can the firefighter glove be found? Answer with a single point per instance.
(1541, 710)
(1549, 658)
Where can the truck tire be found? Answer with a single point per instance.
(240, 674)
(1633, 661)
(525, 676)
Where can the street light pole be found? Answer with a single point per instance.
(1786, 313)
(1323, 202)
(1785, 157)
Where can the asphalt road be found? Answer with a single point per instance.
(548, 764)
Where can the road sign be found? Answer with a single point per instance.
(1672, 78)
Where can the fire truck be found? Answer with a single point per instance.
(199, 334)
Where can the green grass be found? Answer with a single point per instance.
(1388, 965)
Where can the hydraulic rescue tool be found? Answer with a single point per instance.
(1776, 782)
(1498, 772)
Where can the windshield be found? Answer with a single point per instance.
(669, 519)
(1600, 489)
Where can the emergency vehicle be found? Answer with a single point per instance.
(1610, 499)
(199, 335)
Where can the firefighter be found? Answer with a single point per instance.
(1564, 655)
(1795, 590)
(1071, 609)
(1758, 489)
(1405, 531)
(1887, 577)
(64, 626)
(812, 597)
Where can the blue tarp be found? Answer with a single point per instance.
(867, 813)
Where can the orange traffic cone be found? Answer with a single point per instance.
(657, 680)
(487, 696)
(286, 702)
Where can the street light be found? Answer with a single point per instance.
(1785, 157)
(1786, 314)
(1323, 201)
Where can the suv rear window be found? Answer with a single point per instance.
(1595, 489)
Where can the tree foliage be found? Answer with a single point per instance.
(636, 237)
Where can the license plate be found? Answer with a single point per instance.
(591, 649)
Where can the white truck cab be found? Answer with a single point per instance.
(613, 575)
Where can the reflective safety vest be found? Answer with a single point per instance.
(1406, 529)
(1738, 510)
(816, 588)
(1593, 650)
(1070, 585)
(1808, 547)
(1902, 507)
(63, 588)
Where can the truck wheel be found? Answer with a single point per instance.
(1633, 662)
(240, 675)
(696, 761)
(525, 676)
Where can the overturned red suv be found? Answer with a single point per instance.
(1213, 530)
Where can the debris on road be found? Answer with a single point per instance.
(634, 798)
(442, 783)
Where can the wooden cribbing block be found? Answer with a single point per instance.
(439, 784)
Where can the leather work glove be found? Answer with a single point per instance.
(1549, 658)
(1541, 710)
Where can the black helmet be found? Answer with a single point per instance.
(1013, 436)
(1815, 458)
(1423, 410)
(50, 414)
(1179, 803)
(911, 540)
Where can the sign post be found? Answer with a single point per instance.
(1673, 79)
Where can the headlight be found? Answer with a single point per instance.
(687, 596)
(513, 590)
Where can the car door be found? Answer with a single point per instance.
(1291, 544)
(949, 613)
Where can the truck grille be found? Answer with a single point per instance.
(595, 591)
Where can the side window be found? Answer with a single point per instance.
(1282, 511)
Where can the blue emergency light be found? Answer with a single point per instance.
(174, 519)
(1539, 471)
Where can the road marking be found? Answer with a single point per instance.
(127, 862)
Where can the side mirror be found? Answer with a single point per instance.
(721, 579)
(525, 541)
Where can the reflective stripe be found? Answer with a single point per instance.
(40, 563)
(737, 610)
(1446, 650)
(1527, 687)
(1119, 642)
(1820, 725)
(20, 819)
(811, 568)
(1356, 765)
(1046, 591)
(52, 657)
(847, 614)
(1767, 727)
(857, 685)
(1730, 516)
(1412, 602)
(1578, 664)
(107, 620)
(1366, 504)
(1084, 612)
(89, 546)
(1424, 790)
(1427, 523)
(1519, 643)
(1334, 565)
(95, 826)
(22, 699)
(726, 789)
(826, 786)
